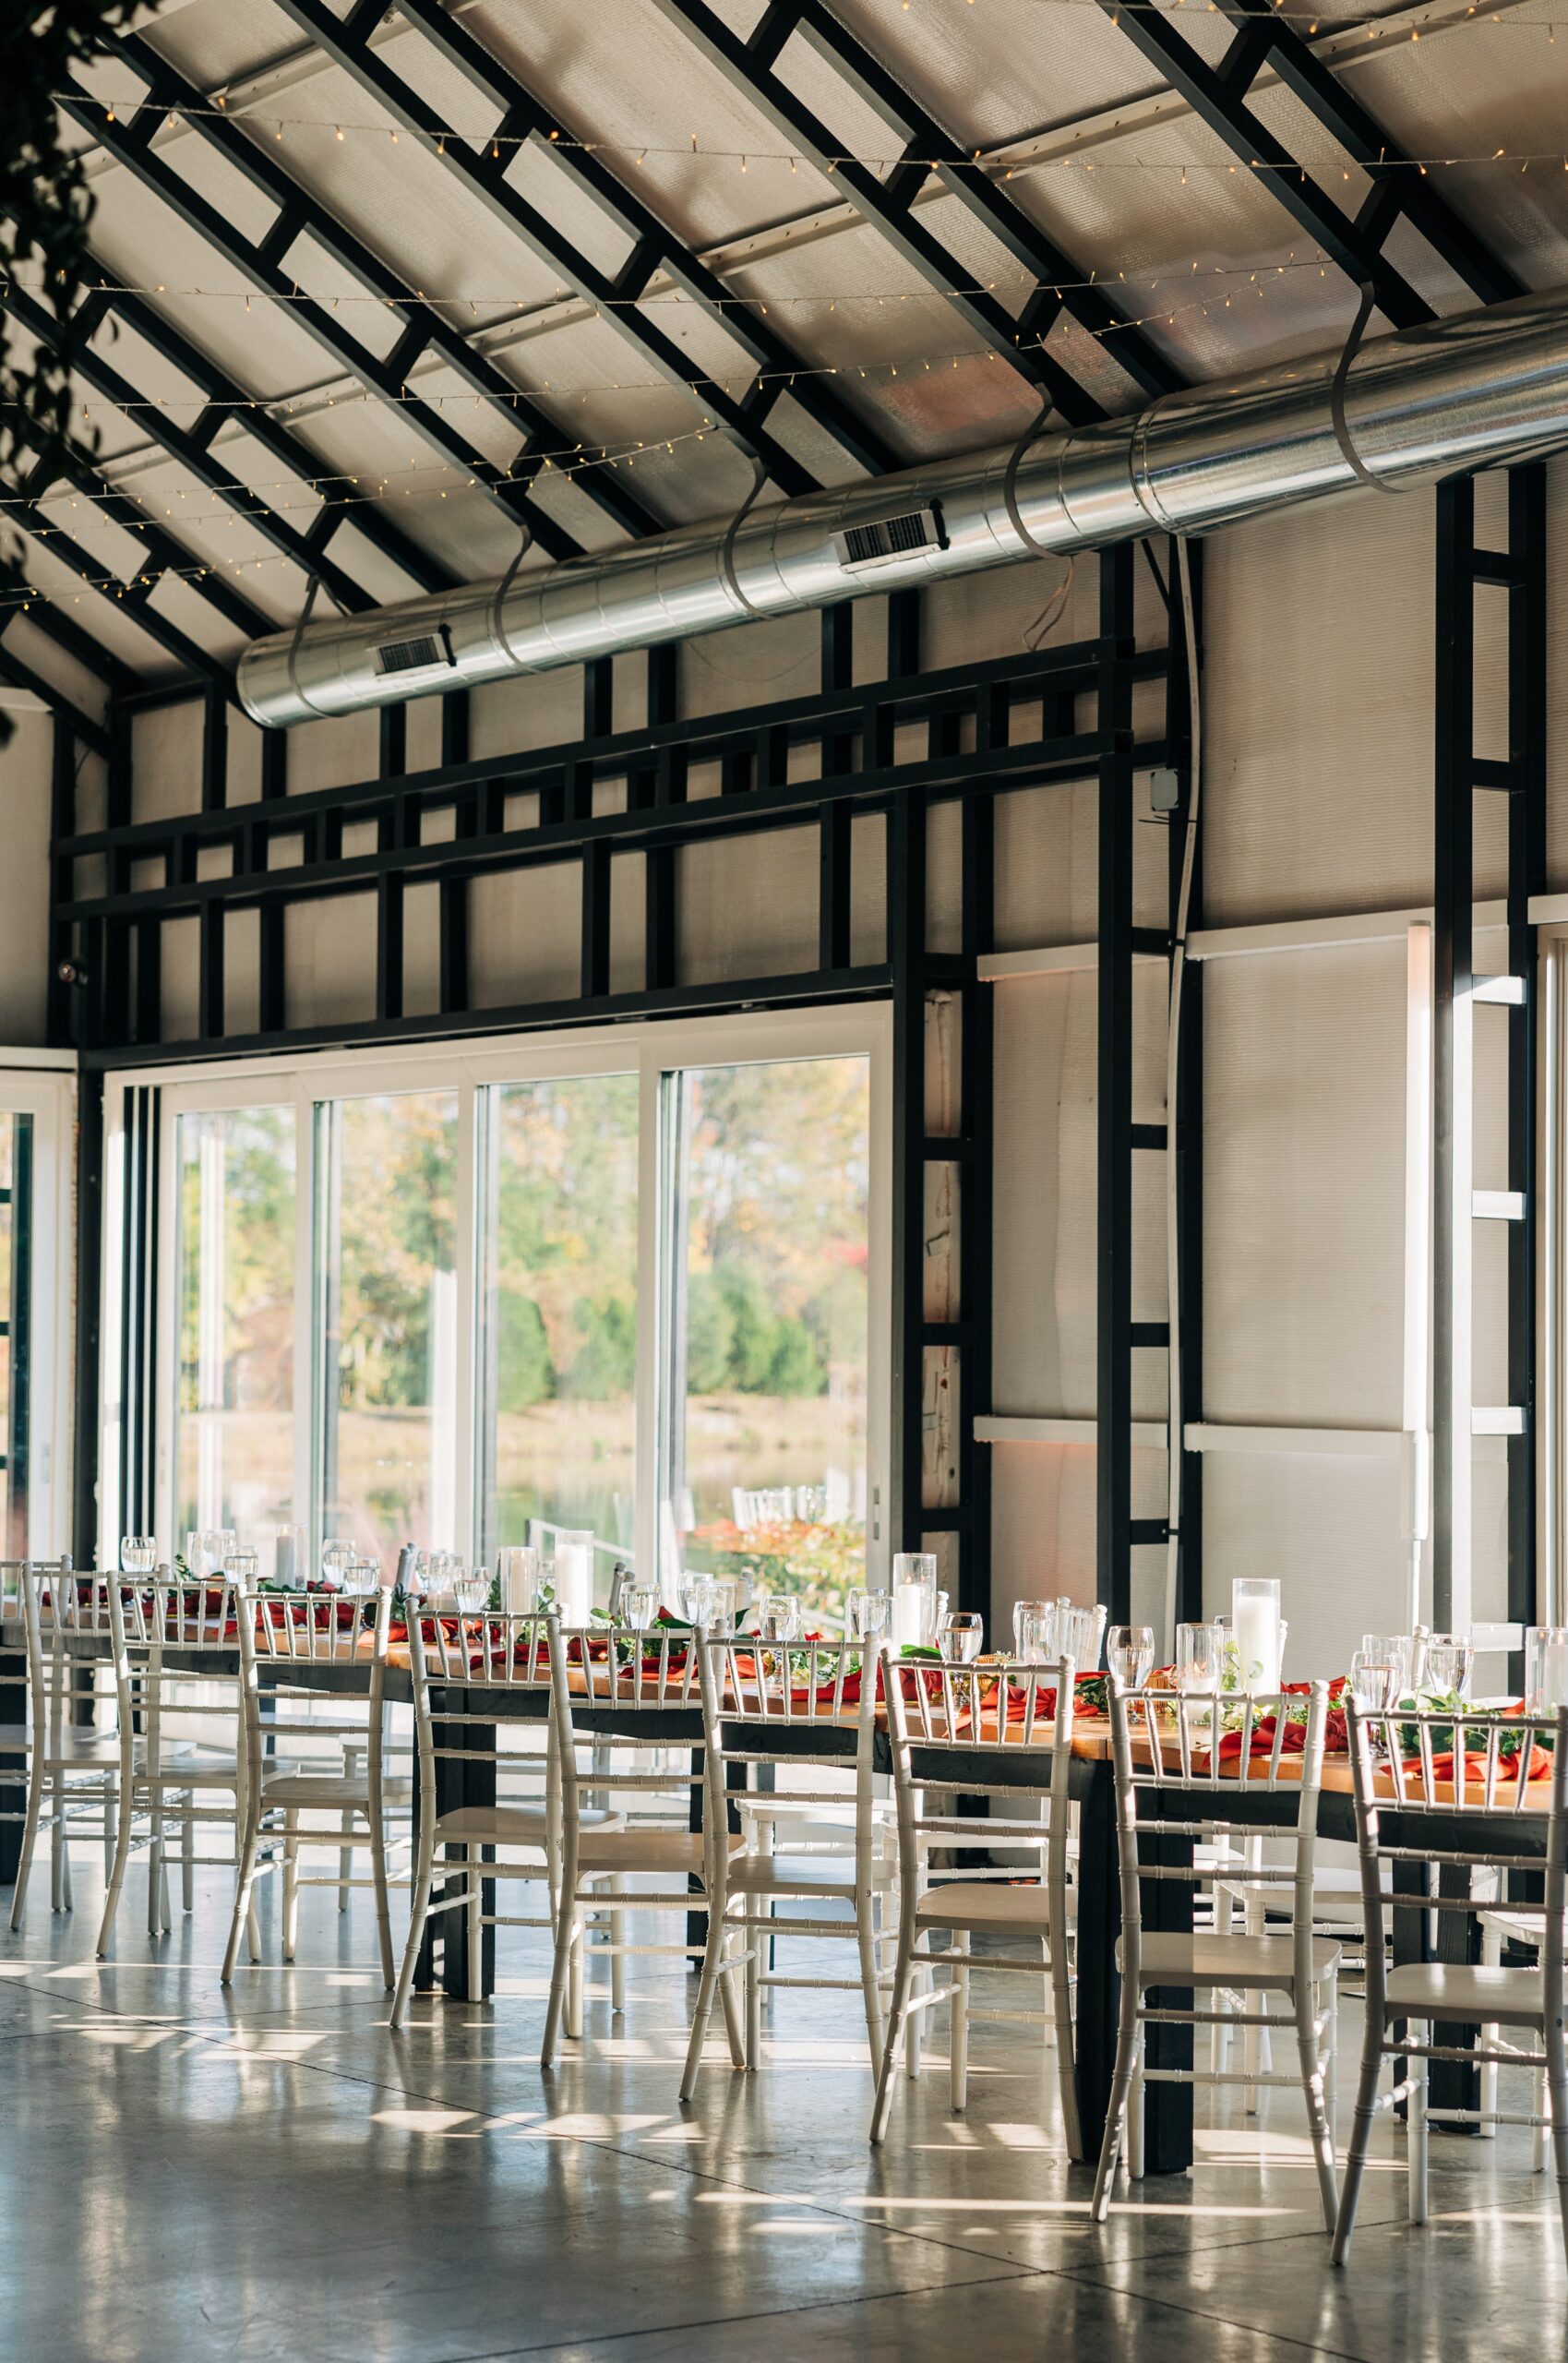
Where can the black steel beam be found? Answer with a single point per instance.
(991, 203)
(1527, 660)
(483, 175)
(191, 450)
(21, 676)
(1113, 1235)
(656, 247)
(298, 216)
(908, 1522)
(749, 66)
(134, 598)
(1453, 1106)
(1218, 94)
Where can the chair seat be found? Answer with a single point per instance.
(76, 1744)
(647, 1850)
(331, 1792)
(510, 1824)
(1468, 1994)
(1171, 1958)
(975, 1903)
(801, 1875)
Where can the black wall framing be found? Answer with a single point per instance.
(898, 747)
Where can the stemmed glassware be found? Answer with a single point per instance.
(242, 1564)
(638, 1604)
(338, 1556)
(964, 1635)
(867, 1613)
(1034, 1630)
(139, 1553)
(778, 1617)
(1451, 1658)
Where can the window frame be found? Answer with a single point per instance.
(43, 1086)
(649, 1049)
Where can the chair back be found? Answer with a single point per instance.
(938, 1710)
(167, 1630)
(289, 1641)
(788, 1705)
(1184, 1760)
(642, 1676)
(1471, 1792)
(57, 1607)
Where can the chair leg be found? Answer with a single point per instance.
(1331, 2062)
(567, 1931)
(244, 1914)
(1360, 2141)
(1557, 2101)
(897, 2019)
(617, 1958)
(1127, 2051)
(1317, 2116)
(757, 1936)
(188, 1864)
(958, 2024)
(719, 1932)
(474, 1913)
(1133, 2129)
(1066, 2062)
(1416, 2128)
(422, 1878)
(291, 1881)
(345, 1858)
(865, 1906)
(915, 2029)
(1491, 1958)
(125, 1822)
(29, 1839)
(57, 1848)
(68, 1895)
(1539, 2132)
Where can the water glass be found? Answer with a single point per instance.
(1376, 1680)
(470, 1588)
(518, 1570)
(1392, 1648)
(1451, 1658)
(699, 1599)
(639, 1603)
(1130, 1654)
(243, 1567)
(964, 1635)
(338, 1556)
(1033, 1630)
(1546, 1667)
(867, 1613)
(778, 1616)
(139, 1553)
(1079, 1632)
(1200, 1656)
(204, 1551)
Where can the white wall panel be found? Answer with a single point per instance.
(26, 767)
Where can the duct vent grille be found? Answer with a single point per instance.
(888, 538)
(414, 655)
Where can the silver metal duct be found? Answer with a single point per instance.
(1482, 388)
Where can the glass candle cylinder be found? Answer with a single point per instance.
(1546, 1667)
(574, 1576)
(1254, 1616)
(914, 1599)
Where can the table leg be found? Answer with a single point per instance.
(459, 1782)
(735, 1779)
(1454, 2083)
(1167, 1905)
(1099, 1925)
(13, 1780)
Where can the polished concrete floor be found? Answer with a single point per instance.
(272, 2174)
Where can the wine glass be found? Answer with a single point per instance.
(1390, 1648)
(139, 1553)
(1130, 1654)
(1376, 1680)
(470, 1587)
(243, 1567)
(867, 1613)
(964, 1635)
(698, 1599)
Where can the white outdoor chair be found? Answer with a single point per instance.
(636, 1675)
(285, 1640)
(167, 1638)
(791, 1708)
(1412, 1807)
(70, 1771)
(953, 1729)
(1170, 1752)
(506, 1654)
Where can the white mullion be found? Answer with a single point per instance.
(306, 1346)
(110, 1408)
(467, 1282)
(166, 1314)
(650, 1283)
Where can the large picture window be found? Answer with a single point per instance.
(628, 1282)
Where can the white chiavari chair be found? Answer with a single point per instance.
(788, 1711)
(509, 1657)
(71, 1769)
(174, 1647)
(953, 1728)
(1177, 1769)
(294, 1647)
(1479, 1798)
(609, 1671)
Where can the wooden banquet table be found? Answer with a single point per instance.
(1167, 1904)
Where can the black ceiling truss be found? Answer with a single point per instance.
(191, 449)
(21, 676)
(484, 176)
(888, 204)
(299, 216)
(1218, 94)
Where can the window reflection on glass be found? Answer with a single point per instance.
(559, 1337)
(234, 1431)
(765, 1324)
(385, 1274)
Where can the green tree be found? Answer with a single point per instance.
(524, 1372)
